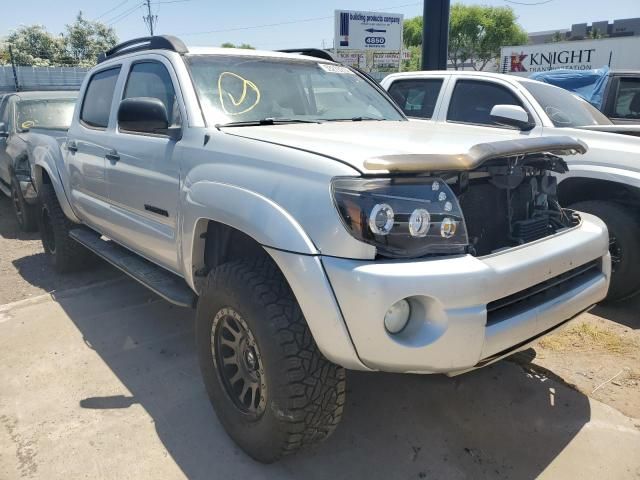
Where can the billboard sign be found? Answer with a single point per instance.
(617, 53)
(356, 30)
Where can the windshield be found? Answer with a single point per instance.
(42, 113)
(242, 89)
(564, 108)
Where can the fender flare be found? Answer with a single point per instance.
(46, 163)
(251, 213)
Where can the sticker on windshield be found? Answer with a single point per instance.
(327, 67)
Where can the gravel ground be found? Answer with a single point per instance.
(24, 271)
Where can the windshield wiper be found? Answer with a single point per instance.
(355, 119)
(265, 121)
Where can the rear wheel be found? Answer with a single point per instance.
(64, 253)
(26, 214)
(272, 389)
(624, 246)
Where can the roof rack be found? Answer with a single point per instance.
(160, 42)
(310, 52)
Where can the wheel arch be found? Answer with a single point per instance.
(579, 189)
(43, 173)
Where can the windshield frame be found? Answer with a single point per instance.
(16, 107)
(565, 95)
(368, 80)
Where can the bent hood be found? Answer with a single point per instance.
(377, 147)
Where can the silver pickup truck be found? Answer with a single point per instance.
(313, 227)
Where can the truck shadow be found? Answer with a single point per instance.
(624, 312)
(497, 422)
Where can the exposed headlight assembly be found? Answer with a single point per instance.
(402, 217)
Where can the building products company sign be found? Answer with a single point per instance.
(368, 31)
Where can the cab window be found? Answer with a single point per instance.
(151, 79)
(472, 101)
(96, 105)
(628, 99)
(416, 98)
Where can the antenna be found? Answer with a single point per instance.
(150, 20)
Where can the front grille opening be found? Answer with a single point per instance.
(510, 306)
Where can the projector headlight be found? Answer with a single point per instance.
(403, 217)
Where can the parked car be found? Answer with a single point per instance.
(23, 116)
(315, 232)
(616, 93)
(481, 106)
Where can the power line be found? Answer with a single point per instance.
(123, 15)
(529, 4)
(290, 22)
(110, 10)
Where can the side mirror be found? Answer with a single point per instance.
(512, 116)
(144, 115)
(4, 133)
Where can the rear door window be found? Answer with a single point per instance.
(416, 98)
(628, 99)
(473, 100)
(96, 106)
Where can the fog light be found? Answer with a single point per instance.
(397, 316)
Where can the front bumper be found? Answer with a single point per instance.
(468, 310)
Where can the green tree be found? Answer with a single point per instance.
(594, 34)
(85, 40)
(476, 34)
(412, 32)
(558, 37)
(243, 45)
(32, 45)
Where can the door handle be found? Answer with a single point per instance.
(72, 146)
(112, 156)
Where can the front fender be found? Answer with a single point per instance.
(602, 172)
(251, 213)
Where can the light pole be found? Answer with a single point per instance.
(435, 34)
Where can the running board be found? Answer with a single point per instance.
(160, 281)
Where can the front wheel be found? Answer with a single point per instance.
(271, 388)
(64, 253)
(624, 246)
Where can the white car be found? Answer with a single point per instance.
(481, 107)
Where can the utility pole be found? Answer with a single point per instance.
(435, 34)
(149, 19)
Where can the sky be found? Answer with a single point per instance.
(300, 23)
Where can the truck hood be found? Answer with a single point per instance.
(625, 129)
(377, 147)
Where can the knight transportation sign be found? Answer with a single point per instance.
(355, 30)
(616, 53)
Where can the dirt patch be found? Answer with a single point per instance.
(599, 356)
(24, 271)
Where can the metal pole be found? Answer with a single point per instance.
(150, 19)
(13, 67)
(435, 34)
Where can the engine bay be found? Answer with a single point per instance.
(513, 201)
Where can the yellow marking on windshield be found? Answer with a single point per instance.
(27, 124)
(247, 86)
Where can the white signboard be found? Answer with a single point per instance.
(355, 30)
(618, 53)
(378, 59)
